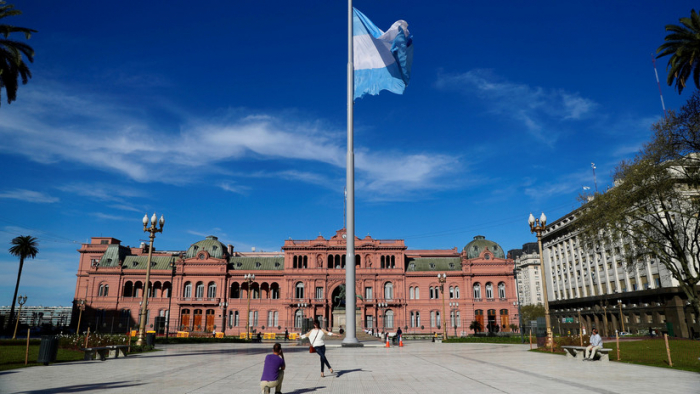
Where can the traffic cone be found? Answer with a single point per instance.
(401, 341)
(387, 341)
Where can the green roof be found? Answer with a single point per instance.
(139, 262)
(257, 263)
(434, 264)
(211, 244)
(113, 255)
(475, 247)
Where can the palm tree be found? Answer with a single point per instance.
(12, 65)
(23, 246)
(683, 44)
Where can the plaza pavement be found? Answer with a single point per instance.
(418, 367)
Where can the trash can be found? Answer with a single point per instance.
(151, 339)
(48, 349)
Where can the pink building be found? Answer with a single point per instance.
(203, 289)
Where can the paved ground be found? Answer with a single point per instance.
(418, 367)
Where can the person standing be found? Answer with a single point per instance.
(286, 335)
(316, 340)
(273, 370)
(398, 335)
(596, 342)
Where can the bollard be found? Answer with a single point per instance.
(531, 339)
(617, 343)
(668, 351)
(26, 354)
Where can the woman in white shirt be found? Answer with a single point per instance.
(316, 339)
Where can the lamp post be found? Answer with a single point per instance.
(537, 226)
(454, 307)
(81, 307)
(170, 296)
(144, 304)
(20, 300)
(442, 278)
(248, 278)
(517, 293)
(302, 306)
(382, 311)
(622, 319)
(605, 318)
(580, 326)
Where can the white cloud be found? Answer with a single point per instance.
(29, 196)
(55, 128)
(106, 216)
(539, 110)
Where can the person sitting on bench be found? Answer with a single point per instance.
(596, 343)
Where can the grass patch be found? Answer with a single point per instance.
(12, 356)
(485, 339)
(651, 352)
(684, 353)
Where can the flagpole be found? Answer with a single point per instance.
(350, 336)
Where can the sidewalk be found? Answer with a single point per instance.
(418, 367)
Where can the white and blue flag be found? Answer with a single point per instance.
(382, 61)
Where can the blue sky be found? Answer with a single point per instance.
(230, 119)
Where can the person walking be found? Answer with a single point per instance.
(273, 371)
(316, 340)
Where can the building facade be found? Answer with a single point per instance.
(528, 274)
(592, 281)
(205, 287)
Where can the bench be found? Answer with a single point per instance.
(573, 352)
(105, 352)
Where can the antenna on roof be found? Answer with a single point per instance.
(594, 180)
(663, 106)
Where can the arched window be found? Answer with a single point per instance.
(255, 292)
(452, 292)
(388, 291)
(417, 293)
(275, 291)
(501, 290)
(410, 293)
(211, 290)
(235, 290)
(389, 318)
(298, 318)
(167, 290)
(104, 290)
(357, 260)
(504, 319)
(294, 262)
(199, 290)
(489, 290)
(272, 318)
(415, 319)
(306, 261)
(138, 289)
(299, 293)
(456, 291)
(128, 289)
(185, 318)
(477, 291)
(187, 291)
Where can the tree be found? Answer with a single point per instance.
(529, 313)
(23, 246)
(12, 65)
(475, 326)
(652, 211)
(683, 44)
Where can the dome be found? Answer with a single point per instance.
(475, 247)
(211, 245)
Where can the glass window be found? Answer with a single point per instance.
(389, 291)
(299, 291)
(187, 293)
(501, 290)
(368, 293)
(199, 291)
(456, 291)
(417, 293)
(319, 292)
(489, 290)
(389, 316)
(477, 291)
(211, 290)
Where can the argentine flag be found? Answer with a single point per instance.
(382, 61)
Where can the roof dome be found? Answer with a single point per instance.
(475, 247)
(211, 245)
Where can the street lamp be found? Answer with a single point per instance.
(81, 307)
(382, 307)
(442, 278)
(249, 278)
(20, 300)
(302, 306)
(144, 304)
(454, 308)
(537, 226)
(622, 319)
(170, 296)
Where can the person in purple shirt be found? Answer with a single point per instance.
(273, 370)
